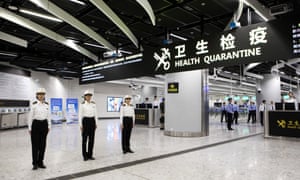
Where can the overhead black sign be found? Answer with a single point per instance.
(255, 43)
(266, 41)
(120, 68)
(173, 87)
(284, 123)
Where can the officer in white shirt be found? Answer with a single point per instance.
(39, 124)
(127, 119)
(272, 106)
(88, 124)
(262, 109)
(155, 103)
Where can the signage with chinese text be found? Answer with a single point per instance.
(267, 41)
(284, 123)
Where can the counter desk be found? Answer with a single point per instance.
(282, 123)
(146, 116)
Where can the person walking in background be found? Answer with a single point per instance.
(223, 112)
(88, 123)
(127, 119)
(229, 113)
(262, 109)
(162, 114)
(235, 112)
(39, 124)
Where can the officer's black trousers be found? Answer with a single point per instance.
(252, 115)
(126, 133)
(261, 118)
(88, 134)
(39, 131)
(235, 117)
(229, 120)
(222, 115)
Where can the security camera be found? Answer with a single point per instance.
(258, 90)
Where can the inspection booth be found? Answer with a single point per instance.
(148, 115)
(284, 122)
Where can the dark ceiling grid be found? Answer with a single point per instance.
(189, 18)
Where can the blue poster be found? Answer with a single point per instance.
(56, 110)
(72, 110)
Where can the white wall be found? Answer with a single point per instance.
(60, 88)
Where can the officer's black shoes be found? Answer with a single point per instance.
(91, 158)
(85, 158)
(42, 166)
(124, 152)
(35, 167)
(230, 129)
(130, 151)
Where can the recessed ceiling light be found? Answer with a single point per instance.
(203, 4)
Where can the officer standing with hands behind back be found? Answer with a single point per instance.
(88, 124)
(127, 118)
(229, 111)
(39, 124)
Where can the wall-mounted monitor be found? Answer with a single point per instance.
(290, 106)
(279, 106)
(114, 104)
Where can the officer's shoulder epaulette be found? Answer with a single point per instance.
(93, 102)
(124, 104)
(131, 105)
(82, 102)
(46, 103)
(35, 102)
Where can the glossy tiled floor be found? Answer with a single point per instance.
(250, 158)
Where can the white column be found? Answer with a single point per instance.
(186, 112)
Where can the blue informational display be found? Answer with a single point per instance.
(72, 110)
(56, 110)
(114, 104)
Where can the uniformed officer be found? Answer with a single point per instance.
(229, 112)
(223, 112)
(39, 124)
(88, 124)
(127, 119)
(262, 109)
(252, 112)
(235, 112)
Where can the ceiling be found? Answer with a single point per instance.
(188, 18)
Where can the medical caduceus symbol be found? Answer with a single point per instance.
(162, 60)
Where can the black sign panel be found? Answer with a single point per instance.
(266, 41)
(255, 43)
(284, 123)
(120, 68)
(173, 87)
(13, 103)
(141, 116)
